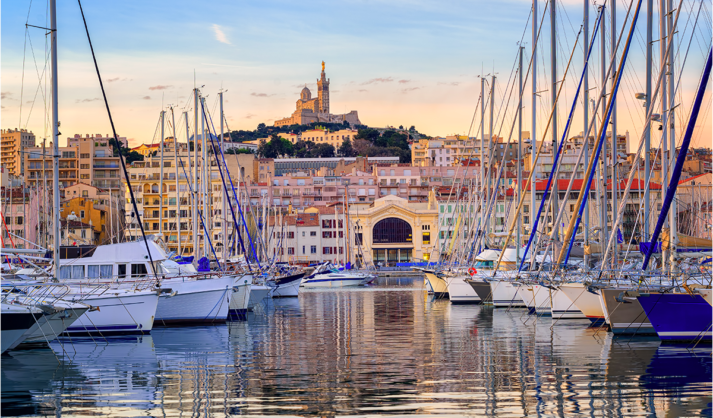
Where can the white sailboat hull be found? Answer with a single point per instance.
(332, 280)
(49, 327)
(527, 296)
(588, 303)
(194, 300)
(287, 290)
(240, 298)
(543, 300)
(438, 284)
(505, 294)
(258, 293)
(563, 307)
(120, 312)
(460, 291)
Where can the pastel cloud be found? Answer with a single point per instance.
(220, 35)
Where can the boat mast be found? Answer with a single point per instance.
(614, 139)
(553, 94)
(603, 171)
(196, 251)
(224, 218)
(673, 214)
(647, 129)
(519, 154)
(585, 132)
(178, 182)
(206, 184)
(160, 182)
(664, 112)
(55, 137)
(188, 181)
(491, 153)
(44, 192)
(533, 135)
(483, 191)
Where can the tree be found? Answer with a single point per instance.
(369, 134)
(412, 129)
(276, 147)
(232, 151)
(322, 151)
(261, 127)
(132, 156)
(346, 149)
(401, 127)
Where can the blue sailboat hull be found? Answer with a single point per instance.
(679, 316)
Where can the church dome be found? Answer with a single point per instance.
(306, 94)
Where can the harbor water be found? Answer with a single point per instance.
(386, 349)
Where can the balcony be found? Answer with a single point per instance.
(104, 166)
(106, 184)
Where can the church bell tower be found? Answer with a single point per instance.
(323, 92)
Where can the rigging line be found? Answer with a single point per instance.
(482, 122)
(22, 82)
(510, 137)
(117, 145)
(637, 159)
(39, 82)
(683, 64)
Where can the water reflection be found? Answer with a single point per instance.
(387, 349)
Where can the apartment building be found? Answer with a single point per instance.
(13, 143)
(21, 214)
(166, 211)
(455, 149)
(87, 159)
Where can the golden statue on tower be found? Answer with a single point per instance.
(322, 66)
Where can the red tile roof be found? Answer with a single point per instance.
(692, 178)
(563, 184)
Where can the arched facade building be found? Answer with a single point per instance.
(393, 230)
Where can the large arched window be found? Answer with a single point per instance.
(392, 230)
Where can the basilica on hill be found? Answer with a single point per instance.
(309, 110)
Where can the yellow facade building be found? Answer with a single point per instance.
(393, 229)
(86, 212)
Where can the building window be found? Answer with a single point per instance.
(303, 249)
(426, 238)
(392, 230)
(81, 214)
(313, 249)
(290, 250)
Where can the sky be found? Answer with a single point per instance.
(407, 62)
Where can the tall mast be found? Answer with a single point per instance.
(519, 154)
(55, 138)
(178, 181)
(553, 71)
(585, 109)
(196, 252)
(603, 231)
(188, 182)
(491, 149)
(206, 184)
(614, 145)
(224, 217)
(647, 104)
(44, 193)
(664, 110)
(483, 191)
(673, 214)
(160, 182)
(533, 135)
